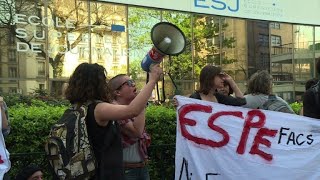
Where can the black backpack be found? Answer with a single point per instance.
(315, 90)
(68, 148)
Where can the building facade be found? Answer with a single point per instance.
(42, 42)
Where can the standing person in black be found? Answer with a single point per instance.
(88, 84)
(212, 78)
(311, 98)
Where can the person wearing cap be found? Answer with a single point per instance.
(211, 79)
(31, 172)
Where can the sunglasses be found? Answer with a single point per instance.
(129, 82)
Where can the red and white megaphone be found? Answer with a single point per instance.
(167, 39)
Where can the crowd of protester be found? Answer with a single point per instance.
(121, 112)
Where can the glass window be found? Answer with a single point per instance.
(140, 23)
(264, 40)
(234, 49)
(304, 53)
(83, 53)
(206, 27)
(13, 90)
(262, 24)
(275, 25)
(13, 73)
(80, 32)
(317, 42)
(281, 57)
(11, 39)
(12, 55)
(258, 46)
(275, 40)
(109, 37)
(41, 86)
(41, 68)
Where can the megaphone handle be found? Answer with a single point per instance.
(163, 92)
(158, 95)
(147, 79)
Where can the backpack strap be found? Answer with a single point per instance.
(271, 98)
(316, 92)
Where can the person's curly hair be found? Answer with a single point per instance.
(260, 83)
(207, 75)
(87, 83)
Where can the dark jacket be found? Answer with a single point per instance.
(311, 99)
(222, 99)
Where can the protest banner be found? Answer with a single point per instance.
(215, 141)
(4, 154)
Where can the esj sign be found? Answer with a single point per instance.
(270, 10)
(216, 141)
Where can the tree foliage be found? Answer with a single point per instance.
(203, 39)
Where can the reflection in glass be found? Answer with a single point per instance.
(281, 44)
(41, 48)
(258, 46)
(140, 23)
(180, 67)
(234, 51)
(21, 45)
(108, 37)
(317, 44)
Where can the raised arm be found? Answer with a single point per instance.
(106, 111)
(234, 86)
(136, 127)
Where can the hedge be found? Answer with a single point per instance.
(31, 121)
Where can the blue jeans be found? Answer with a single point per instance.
(136, 173)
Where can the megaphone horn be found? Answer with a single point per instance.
(167, 39)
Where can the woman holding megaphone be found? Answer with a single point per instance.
(87, 85)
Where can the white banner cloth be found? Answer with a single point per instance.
(215, 141)
(4, 154)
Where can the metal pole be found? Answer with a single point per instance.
(192, 51)
(127, 34)
(47, 63)
(89, 32)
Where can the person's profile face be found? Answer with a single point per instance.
(218, 81)
(224, 90)
(38, 175)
